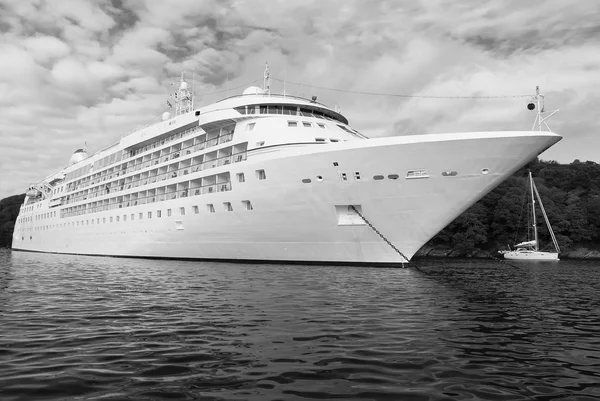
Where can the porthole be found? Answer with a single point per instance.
(306, 180)
(393, 176)
(319, 178)
(485, 170)
(378, 177)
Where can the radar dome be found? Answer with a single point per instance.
(183, 85)
(253, 90)
(78, 156)
(166, 115)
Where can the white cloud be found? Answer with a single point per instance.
(88, 71)
(46, 48)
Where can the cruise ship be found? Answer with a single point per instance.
(262, 177)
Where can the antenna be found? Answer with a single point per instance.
(539, 100)
(193, 87)
(284, 76)
(267, 80)
(183, 98)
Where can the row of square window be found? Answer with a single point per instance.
(37, 217)
(250, 126)
(304, 123)
(210, 208)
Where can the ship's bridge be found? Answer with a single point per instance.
(251, 104)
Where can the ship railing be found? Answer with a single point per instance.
(222, 138)
(192, 168)
(153, 198)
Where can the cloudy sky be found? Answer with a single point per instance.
(75, 71)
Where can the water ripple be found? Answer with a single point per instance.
(84, 328)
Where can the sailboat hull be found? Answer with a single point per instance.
(530, 255)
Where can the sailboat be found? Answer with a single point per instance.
(529, 250)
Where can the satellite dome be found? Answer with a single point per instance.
(166, 115)
(253, 90)
(78, 156)
(183, 85)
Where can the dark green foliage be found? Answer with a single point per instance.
(571, 198)
(9, 210)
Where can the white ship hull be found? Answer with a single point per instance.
(293, 221)
(530, 255)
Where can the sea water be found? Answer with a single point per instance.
(93, 328)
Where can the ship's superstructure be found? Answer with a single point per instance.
(265, 177)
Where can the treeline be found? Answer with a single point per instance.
(9, 210)
(571, 197)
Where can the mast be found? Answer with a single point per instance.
(554, 241)
(267, 80)
(183, 98)
(540, 101)
(535, 233)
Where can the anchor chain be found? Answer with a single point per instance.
(381, 235)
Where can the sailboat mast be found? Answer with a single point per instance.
(535, 233)
(547, 221)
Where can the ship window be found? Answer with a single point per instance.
(290, 110)
(292, 123)
(261, 175)
(378, 177)
(274, 109)
(111, 219)
(141, 216)
(393, 176)
(306, 180)
(227, 206)
(247, 205)
(132, 216)
(321, 125)
(250, 127)
(149, 215)
(210, 208)
(104, 220)
(168, 212)
(334, 140)
(417, 174)
(252, 109)
(320, 139)
(117, 219)
(306, 124)
(241, 110)
(196, 209)
(240, 177)
(158, 214)
(182, 211)
(357, 175)
(124, 217)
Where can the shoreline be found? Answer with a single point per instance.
(448, 253)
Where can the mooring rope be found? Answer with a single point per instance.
(381, 235)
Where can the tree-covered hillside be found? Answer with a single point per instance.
(570, 194)
(9, 210)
